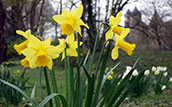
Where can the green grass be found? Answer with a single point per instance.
(147, 60)
(151, 100)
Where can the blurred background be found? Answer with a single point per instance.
(150, 21)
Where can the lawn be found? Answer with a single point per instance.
(146, 60)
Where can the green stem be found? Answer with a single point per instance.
(94, 49)
(57, 102)
(99, 60)
(78, 71)
(40, 83)
(78, 58)
(66, 71)
(48, 86)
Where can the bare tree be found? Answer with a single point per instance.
(3, 45)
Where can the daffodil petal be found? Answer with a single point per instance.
(112, 20)
(65, 12)
(74, 45)
(27, 34)
(115, 20)
(109, 34)
(32, 62)
(124, 33)
(80, 22)
(47, 42)
(70, 38)
(77, 13)
(21, 46)
(50, 65)
(63, 56)
(59, 19)
(20, 32)
(115, 53)
(34, 42)
(72, 52)
(28, 52)
(78, 29)
(53, 52)
(25, 62)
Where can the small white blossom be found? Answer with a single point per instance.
(147, 72)
(170, 79)
(129, 68)
(153, 68)
(157, 72)
(124, 75)
(135, 73)
(164, 68)
(30, 104)
(163, 87)
(126, 98)
(165, 74)
(159, 68)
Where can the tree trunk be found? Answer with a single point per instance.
(3, 45)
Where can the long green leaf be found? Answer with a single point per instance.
(71, 82)
(33, 93)
(102, 71)
(48, 86)
(99, 61)
(130, 87)
(121, 87)
(21, 91)
(54, 84)
(111, 90)
(94, 49)
(90, 91)
(105, 78)
(48, 98)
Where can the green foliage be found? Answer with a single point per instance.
(11, 95)
(159, 83)
(141, 87)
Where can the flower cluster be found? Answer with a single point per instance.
(128, 69)
(121, 33)
(159, 69)
(40, 53)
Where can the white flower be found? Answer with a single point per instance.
(124, 75)
(128, 68)
(126, 98)
(157, 72)
(147, 72)
(163, 87)
(170, 79)
(135, 73)
(159, 68)
(164, 68)
(165, 74)
(153, 68)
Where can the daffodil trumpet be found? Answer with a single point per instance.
(119, 43)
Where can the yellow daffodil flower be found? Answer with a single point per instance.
(114, 28)
(40, 53)
(70, 21)
(70, 46)
(22, 45)
(109, 77)
(119, 43)
(25, 62)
